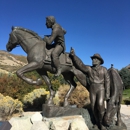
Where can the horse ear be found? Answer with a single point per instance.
(12, 28)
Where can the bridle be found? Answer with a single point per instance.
(14, 40)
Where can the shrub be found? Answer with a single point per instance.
(11, 85)
(125, 75)
(35, 99)
(79, 97)
(56, 99)
(126, 97)
(9, 106)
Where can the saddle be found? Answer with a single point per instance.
(63, 58)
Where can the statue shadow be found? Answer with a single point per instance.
(35, 105)
(127, 101)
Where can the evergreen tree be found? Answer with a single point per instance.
(125, 75)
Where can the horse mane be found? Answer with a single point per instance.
(29, 31)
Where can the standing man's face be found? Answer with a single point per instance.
(96, 61)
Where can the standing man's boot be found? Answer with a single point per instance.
(101, 126)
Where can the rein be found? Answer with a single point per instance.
(22, 39)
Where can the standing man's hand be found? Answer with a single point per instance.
(107, 97)
(72, 53)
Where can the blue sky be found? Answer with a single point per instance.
(93, 26)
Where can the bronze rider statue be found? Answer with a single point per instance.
(58, 40)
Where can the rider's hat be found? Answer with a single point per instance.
(98, 57)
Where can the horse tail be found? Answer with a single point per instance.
(116, 89)
(116, 83)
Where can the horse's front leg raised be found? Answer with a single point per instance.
(44, 75)
(27, 68)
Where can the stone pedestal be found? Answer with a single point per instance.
(5, 125)
(56, 111)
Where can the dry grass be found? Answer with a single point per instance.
(10, 62)
(79, 97)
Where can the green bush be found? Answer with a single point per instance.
(125, 75)
(11, 85)
(126, 97)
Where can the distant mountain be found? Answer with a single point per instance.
(9, 63)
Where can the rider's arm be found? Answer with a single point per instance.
(79, 64)
(50, 39)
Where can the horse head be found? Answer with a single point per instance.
(23, 37)
(13, 41)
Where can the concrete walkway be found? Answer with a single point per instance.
(125, 115)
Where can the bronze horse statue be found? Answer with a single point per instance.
(39, 59)
(114, 104)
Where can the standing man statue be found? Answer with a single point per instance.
(99, 85)
(57, 36)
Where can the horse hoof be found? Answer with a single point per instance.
(119, 124)
(95, 127)
(66, 104)
(39, 82)
(50, 104)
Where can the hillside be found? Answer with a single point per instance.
(9, 63)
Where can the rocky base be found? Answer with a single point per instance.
(57, 118)
(37, 121)
(55, 111)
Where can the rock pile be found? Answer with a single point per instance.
(35, 121)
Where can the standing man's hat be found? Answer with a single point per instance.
(98, 57)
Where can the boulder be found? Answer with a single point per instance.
(39, 125)
(78, 124)
(20, 123)
(36, 117)
(58, 124)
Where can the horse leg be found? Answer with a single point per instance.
(45, 77)
(27, 68)
(119, 121)
(69, 77)
(110, 111)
